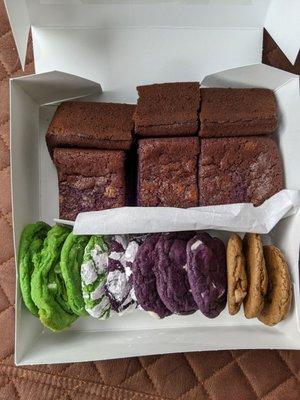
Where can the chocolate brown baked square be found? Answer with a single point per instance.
(168, 109)
(89, 180)
(237, 112)
(239, 170)
(167, 172)
(106, 126)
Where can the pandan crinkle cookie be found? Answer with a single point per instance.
(70, 263)
(94, 276)
(48, 289)
(31, 242)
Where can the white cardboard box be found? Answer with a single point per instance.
(120, 46)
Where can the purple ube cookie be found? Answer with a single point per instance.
(206, 269)
(171, 276)
(144, 281)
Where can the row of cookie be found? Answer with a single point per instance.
(259, 277)
(63, 276)
(51, 262)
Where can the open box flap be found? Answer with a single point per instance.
(26, 96)
(20, 24)
(258, 75)
(55, 86)
(209, 14)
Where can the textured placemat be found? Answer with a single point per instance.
(238, 375)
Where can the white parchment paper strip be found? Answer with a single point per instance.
(234, 217)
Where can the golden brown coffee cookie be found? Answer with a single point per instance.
(236, 274)
(256, 275)
(279, 295)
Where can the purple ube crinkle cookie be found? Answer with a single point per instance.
(118, 284)
(206, 268)
(116, 255)
(171, 276)
(144, 281)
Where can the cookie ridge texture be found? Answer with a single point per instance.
(236, 274)
(279, 295)
(257, 276)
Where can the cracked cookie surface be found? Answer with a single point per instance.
(256, 275)
(279, 295)
(236, 274)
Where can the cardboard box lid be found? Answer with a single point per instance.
(280, 17)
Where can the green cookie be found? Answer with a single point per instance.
(48, 289)
(93, 278)
(31, 242)
(70, 262)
